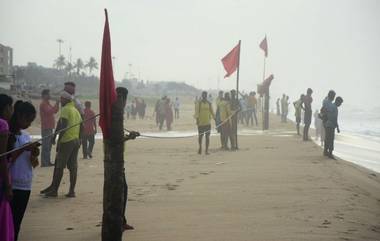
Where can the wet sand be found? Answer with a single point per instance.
(276, 187)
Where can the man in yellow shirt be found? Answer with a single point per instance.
(67, 146)
(252, 106)
(225, 118)
(203, 115)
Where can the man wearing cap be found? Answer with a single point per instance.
(67, 145)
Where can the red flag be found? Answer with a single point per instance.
(264, 46)
(107, 92)
(231, 60)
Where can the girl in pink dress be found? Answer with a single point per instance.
(6, 219)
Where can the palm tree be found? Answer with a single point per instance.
(79, 66)
(60, 62)
(91, 65)
(69, 68)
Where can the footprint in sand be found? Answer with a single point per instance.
(171, 186)
(325, 224)
(179, 180)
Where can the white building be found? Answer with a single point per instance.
(6, 65)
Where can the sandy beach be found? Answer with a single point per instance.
(276, 187)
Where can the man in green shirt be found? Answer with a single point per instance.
(203, 115)
(67, 146)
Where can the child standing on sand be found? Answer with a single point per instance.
(22, 161)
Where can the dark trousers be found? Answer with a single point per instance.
(329, 140)
(125, 200)
(233, 135)
(18, 204)
(226, 134)
(46, 147)
(161, 119)
(88, 142)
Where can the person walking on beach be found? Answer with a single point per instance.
(308, 113)
(331, 124)
(6, 218)
(177, 104)
(283, 101)
(298, 112)
(89, 131)
(244, 107)
(161, 111)
(286, 109)
(67, 146)
(203, 115)
(47, 112)
(278, 107)
(22, 161)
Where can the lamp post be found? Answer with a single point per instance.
(60, 41)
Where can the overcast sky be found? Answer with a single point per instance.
(319, 44)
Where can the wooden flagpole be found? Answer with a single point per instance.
(237, 95)
(263, 98)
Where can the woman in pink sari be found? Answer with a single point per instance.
(6, 219)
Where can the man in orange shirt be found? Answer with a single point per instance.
(47, 112)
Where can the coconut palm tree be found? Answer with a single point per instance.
(60, 62)
(69, 68)
(91, 65)
(79, 65)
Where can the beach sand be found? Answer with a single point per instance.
(276, 187)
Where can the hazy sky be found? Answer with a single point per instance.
(318, 44)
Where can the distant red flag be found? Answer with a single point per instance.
(231, 60)
(264, 46)
(107, 92)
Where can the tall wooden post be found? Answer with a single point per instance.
(113, 189)
(237, 95)
(266, 109)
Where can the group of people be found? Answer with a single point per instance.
(136, 108)
(248, 106)
(282, 107)
(325, 120)
(226, 119)
(163, 111)
(16, 168)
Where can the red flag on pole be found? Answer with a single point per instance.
(107, 92)
(231, 60)
(264, 46)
